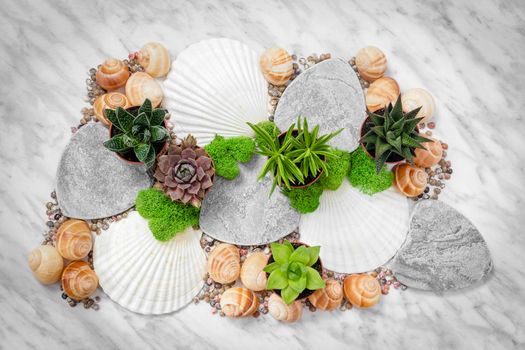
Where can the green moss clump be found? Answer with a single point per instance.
(270, 127)
(166, 217)
(305, 200)
(337, 170)
(362, 173)
(225, 153)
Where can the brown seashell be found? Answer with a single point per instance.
(381, 92)
(74, 240)
(141, 86)
(276, 66)
(46, 264)
(155, 59)
(362, 290)
(282, 312)
(431, 155)
(415, 98)
(371, 63)
(252, 274)
(224, 263)
(329, 298)
(112, 74)
(239, 302)
(111, 100)
(79, 281)
(410, 180)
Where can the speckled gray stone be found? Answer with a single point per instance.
(328, 94)
(240, 212)
(92, 182)
(443, 250)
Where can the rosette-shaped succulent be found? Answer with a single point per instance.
(186, 172)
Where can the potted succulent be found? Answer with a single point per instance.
(294, 270)
(137, 134)
(296, 158)
(392, 136)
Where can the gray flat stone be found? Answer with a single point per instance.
(443, 250)
(240, 212)
(328, 94)
(92, 182)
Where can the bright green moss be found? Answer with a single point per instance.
(166, 217)
(362, 173)
(225, 153)
(337, 170)
(270, 127)
(305, 200)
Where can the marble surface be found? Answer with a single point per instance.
(468, 54)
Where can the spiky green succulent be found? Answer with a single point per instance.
(393, 133)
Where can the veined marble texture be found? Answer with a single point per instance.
(468, 54)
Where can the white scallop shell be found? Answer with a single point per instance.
(214, 87)
(145, 275)
(356, 232)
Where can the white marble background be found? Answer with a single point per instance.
(470, 55)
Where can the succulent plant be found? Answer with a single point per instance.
(186, 172)
(393, 133)
(141, 134)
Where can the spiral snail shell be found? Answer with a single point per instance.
(328, 298)
(111, 100)
(74, 240)
(362, 290)
(431, 155)
(112, 74)
(155, 59)
(276, 66)
(224, 263)
(239, 302)
(380, 93)
(79, 281)
(252, 274)
(371, 63)
(410, 180)
(282, 312)
(46, 263)
(415, 98)
(141, 86)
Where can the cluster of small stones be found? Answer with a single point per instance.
(364, 84)
(89, 303)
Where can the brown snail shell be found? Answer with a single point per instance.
(282, 312)
(431, 155)
(362, 290)
(415, 98)
(141, 86)
(239, 302)
(276, 66)
(224, 263)
(111, 100)
(79, 281)
(74, 240)
(380, 93)
(410, 180)
(155, 59)
(371, 63)
(112, 74)
(329, 298)
(252, 274)
(46, 263)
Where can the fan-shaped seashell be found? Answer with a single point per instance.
(357, 232)
(46, 263)
(239, 302)
(276, 66)
(111, 100)
(145, 275)
(329, 298)
(431, 155)
(79, 281)
(362, 290)
(74, 240)
(410, 180)
(224, 263)
(155, 59)
(371, 63)
(415, 98)
(282, 312)
(218, 96)
(112, 74)
(380, 93)
(141, 86)
(252, 274)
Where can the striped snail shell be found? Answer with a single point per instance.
(276, 66)
(112, 74)
(239, 302)
(79, 281)
(362, 290)
(46, 263)
(224, 263)
(410, 180)
(74, 240)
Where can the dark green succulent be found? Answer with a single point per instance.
(393, 133)
(140, 134)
